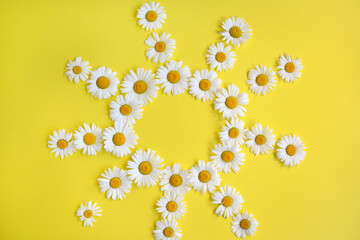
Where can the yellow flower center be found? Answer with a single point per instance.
(62, 144)
(289, 67)
(227, 156)
(227, 201)
(115, 182)
(140, 86)
(160, 46)
(151, 16)
(220, 57)
(125, 109)
(235, 32)
(204, 176)
(168, 232)
(291, 150)
(173, 76)
(145, 168)
(245, 224)
(88, 213)
(102, 82)
(231, 102)
(175, 180)
(262, 79)
(118, 139)
(89, 139)
(171, 206)
(77, 69)
(233, 132)
(260, 139)
(204, 84)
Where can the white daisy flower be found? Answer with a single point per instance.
(87, 212)
(289, 68)
(236, 31)
(145, 168)
(261, 80)
(204, 177)
(290, 150)
(229, 201)
(204, 84)
(102, 83)
(119, 139)
(167, 230)
(175, 180)
(231, 102)
(151, 16)
(260, 140)
(77, 70)
(140, 85)
(61, 144)
(171, 206)
(89, 139)
(115, 183)
(244, 224)
(233, 131)
(220, 57)
(161, 47)
(125, 109)
(173, 77)
(227, 156)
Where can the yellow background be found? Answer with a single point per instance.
(40, 193)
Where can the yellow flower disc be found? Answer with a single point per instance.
(171, 206)
(89, 139)
(227, 201)
(291, 150)
(289, 67)
(88, 213)
(160, 46)
(77, 69)
(245, 224)
(227, 156)
(151, 16)
(173, 76)
(260, 139)
(204, 84)
(235, 32)
(261, 79)
(115, 182)
(125, 109)
(220, 57)
(231, 102)
(145, 168)
(168, 232)
(118, 139)
(62, 144)
(140, 86)
(102, 82)
(175, 180)
(204, 176)
(233, 132)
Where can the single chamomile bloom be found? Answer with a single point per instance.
(102, 83)
(220, 57)
(204, 84)
(260, 140)
(151, 16)
(119, 139)
(171, 206)
(261, 80)
(231, 102)
(61, 144)
(290, 150)
(140, 85)
(204, 177)
(236, 31)
(161, 47)
(167, 230)
(289, 68)
(89, 139)
(87, 212)
(227, 157)
(243, 224)
(115, 183)
(145, 168)
(173, 77)
(229, 201)
(233, 131)
(77, 69)
(125, 109)
(175, 179)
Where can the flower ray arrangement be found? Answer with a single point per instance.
(140, 87)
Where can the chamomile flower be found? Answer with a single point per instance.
(125, 109)
(167, 230)
(204, 84)
(140, 85)
(171, 206)
(173, 78)
(290, 150)
(151, 16)
(227, 157)
(175, 179)
(229, 201)
(89, 139)
(289, 68)
(244, 224)
(61, 144)
(161, 47)
(204, 177)
(145, 168)
(87, 212)
(231, 102)
(260, 140)
(115, 183)
(261, 80)
(233, 131)
(236, 31)
(102, 83)
(119, 139)
(77, 69)
(220, 57)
